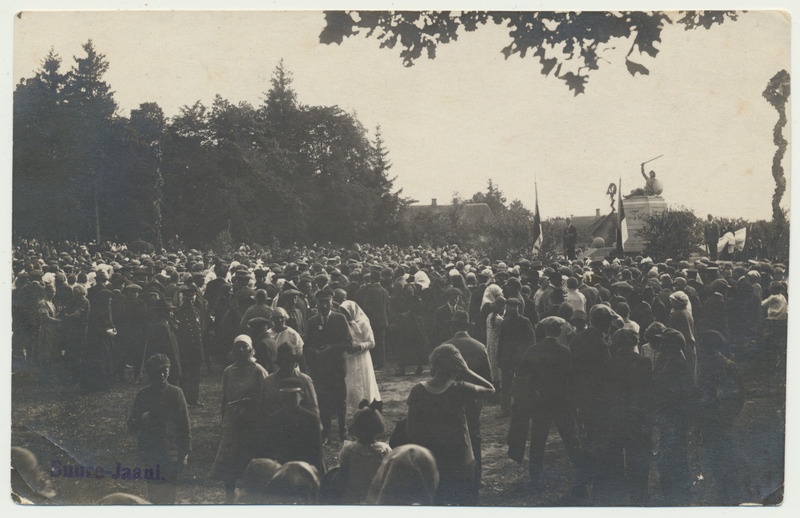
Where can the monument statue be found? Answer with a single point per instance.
(652, 185)
(640, 204)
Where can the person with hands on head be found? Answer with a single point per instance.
(437, 420)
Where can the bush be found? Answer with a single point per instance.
(672, 233)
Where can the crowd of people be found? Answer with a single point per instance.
(627, 357)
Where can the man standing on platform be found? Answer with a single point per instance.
(712, 237)
(570, 240)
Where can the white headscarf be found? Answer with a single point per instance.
(492, 292)
(421, 278)
(358, 322)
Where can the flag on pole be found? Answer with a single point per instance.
(740, 238)
(537, 224)
(622, 225)
(732, 240)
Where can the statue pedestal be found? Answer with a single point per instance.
(637, 208)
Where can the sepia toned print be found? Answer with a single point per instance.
(461, 258)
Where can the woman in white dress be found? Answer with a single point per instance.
(360, 379)
(493, 322)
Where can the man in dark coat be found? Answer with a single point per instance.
(131, 324)
(287, 365)
(627, 449)
(293, 433)
(590, 352)
(212, 295)
(263, 345)
(570, 240)
(101, 283)
(374, 300)
(711, 234)
(161, 338)
(160, 417)
(327, 341)
(475, 302)
(261, 309)
(98, 368)
(444, 314)
(721, 398)
(715, 309)
(477, 359)
(516, 334)
(189, 334)
(542, 397)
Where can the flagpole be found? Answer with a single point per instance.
(537, 221)
(620, 244)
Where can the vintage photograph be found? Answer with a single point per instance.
(440, 258)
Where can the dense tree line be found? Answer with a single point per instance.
(278, 172)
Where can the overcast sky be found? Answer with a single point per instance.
(469, 115)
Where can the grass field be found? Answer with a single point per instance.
(61, 423)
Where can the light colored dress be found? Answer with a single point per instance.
(241, 386)
(492, 339)
(47, 341)
(360, 378)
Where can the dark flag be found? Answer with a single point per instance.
(622, 225)
(537, 225)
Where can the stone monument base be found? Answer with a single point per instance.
(637, 208)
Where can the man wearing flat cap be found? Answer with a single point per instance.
(293, 433)
(626, 454)
(542, 397)
(477, 359)
(590, 351)
(263, 345)
(715, 308)
(374, 300)
(475, 299)
(327, 340)
(570, 240)
(161, 339)
(189, 334)
(160, 418)
(516, 334)
(287, 364)
(444, 314)
(131, 323)
(289, 299)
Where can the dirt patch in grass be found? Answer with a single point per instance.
(62, 424)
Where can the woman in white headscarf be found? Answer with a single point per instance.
(492, 292)
(421, 278)
(680, 318)
(360, 378)
(493, 322)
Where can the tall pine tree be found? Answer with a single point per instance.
(91, 110)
